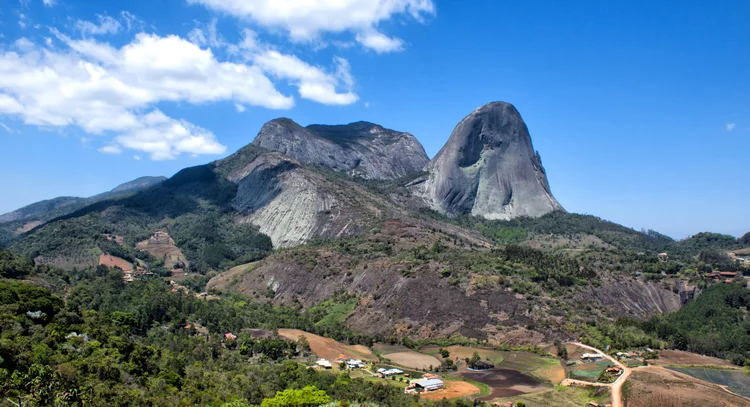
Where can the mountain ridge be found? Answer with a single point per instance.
(359, 149)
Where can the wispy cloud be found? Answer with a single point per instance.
(730, 126)
(49, 3)
(8, 129)
(110, 149)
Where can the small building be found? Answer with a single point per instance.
(614, 369)
(391, 372)
(324, 364)
(428, 384)
(592, 357)
(354, 364)
(663, 256)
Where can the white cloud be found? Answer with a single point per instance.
(22, 21)
(313, 83)
(166, 138)
(730, 126)
(6, 128)
(107, 25)
(207, 36)
(131, 21)
(367, 105)
(240, 108)
(307, 20)
(380, 42)
(49, 3)
(104, 90)
(112, 149)
(137, 157)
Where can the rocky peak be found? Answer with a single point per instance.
(359, 149)
(489, 168)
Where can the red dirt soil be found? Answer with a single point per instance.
(328, 348)
(114, 261)
(452, 390)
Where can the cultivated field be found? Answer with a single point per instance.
(404, 356)
(328, 348)
(161, 246)
(226, 278)
(655, 386)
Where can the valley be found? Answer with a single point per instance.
(341, 257)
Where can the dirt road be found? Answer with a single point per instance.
(616, 387)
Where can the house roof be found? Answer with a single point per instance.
(429, 382)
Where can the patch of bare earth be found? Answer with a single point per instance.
(682, 358)
(406, 357)
(28, 226)
(114, 261)
(328, 348)
(161, 246)
(452, 390)
(655, 386)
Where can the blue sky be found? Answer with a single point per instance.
(640, 109)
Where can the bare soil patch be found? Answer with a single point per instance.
(162, 246)
(28, 226)
(114, 261)
(224, 280)
(452, 390)
(682, 358)
(404, 356)
(656, 386)
(328, 348)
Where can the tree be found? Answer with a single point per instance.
(520, 404)
(445, 353)
(309, 396)
(745, 239)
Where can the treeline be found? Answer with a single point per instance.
(116, 344)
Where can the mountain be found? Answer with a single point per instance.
(489, 168)
(400, 268)
(358, 149)
(50, 208)
(30, 216)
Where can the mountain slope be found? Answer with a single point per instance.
(358, 149)
(51, 208)
(489, 168)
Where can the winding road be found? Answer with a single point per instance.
(615, 387)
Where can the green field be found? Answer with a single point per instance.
(589, 371)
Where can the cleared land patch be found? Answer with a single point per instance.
(682, 358)
(453, 389)
(162, 246)
(328, 348)
(655, 386)
(733, 380)
(114, 261)
(28, 226)
(404, 356)
(561, 396)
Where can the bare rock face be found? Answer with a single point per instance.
(359, 149)
(489, 168)
(292, 204)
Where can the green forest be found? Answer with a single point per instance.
(115, 344)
